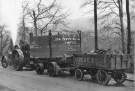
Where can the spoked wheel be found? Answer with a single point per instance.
(103, 77)
(4, 62)
(79, 74)
(119, 77)
(40, 68)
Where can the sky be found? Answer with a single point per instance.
(10, 11)
(9, 15)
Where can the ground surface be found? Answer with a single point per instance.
(29, 81)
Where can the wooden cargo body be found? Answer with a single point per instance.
(102, 61)
(55, 44)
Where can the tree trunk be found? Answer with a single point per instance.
(128, 28)
(35, 22)
(1, 42)
(95, 21)
(41, 32)
(121, 23)
(24, 35)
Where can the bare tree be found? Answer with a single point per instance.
(21, 34)
(93, 3)
(95, 23)
(5, 38)
(42, 16)
(115, 5)
(24, 14)
(22, 28)
(109, 11)
(121, 22)
(1, 35)
(132, 10)
(128, 27)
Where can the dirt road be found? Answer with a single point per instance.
(30, 81)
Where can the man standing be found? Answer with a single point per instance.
(26, 51)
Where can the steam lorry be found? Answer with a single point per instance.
(59, 51)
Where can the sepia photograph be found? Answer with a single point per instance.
(67, 45)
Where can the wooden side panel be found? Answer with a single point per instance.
(94, 61)
(61, 43)
(119, 62)
(110, 62)
(82, 60)
(100, 61)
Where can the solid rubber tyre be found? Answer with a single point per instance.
(103, 77)
(4, 62)
(53, 69)
(40, 68)
(119, 77)
(79, 74)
